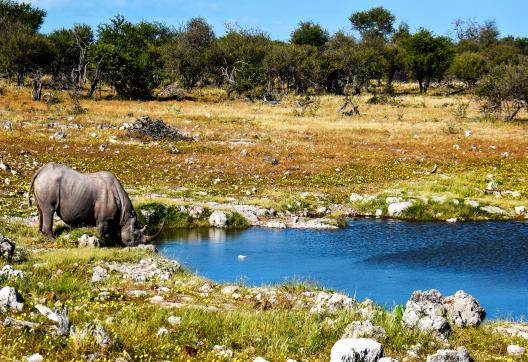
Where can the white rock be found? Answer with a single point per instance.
(10, 299)
(162, 332)
(218, 219)
(230, 289)
(223, 352)
(397, 209)
(452, 220)
(472, 203)
(242, 257)
(99, 274)
(393, 200)
(157, 299)
(360, 349)
(8, 272)
(448, 355)
(332, 302)
(275, 224)
(174, 320)
(438, 199)
(379, 213)
(494, 210)
(455, 202)
(468, 133)
(463, 310)
(513, 330)
(515, 350)
(387, 359)
(260, 359)
(426, 312)
(37, 357)
(356, 197)
(520, 210)
(363, 329)
(206, 288)
(87, 241)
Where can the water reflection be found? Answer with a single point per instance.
(382, 260)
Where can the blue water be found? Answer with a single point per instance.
(382, 260)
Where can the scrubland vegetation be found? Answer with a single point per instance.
(436, 117)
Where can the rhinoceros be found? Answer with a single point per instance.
(91, 199)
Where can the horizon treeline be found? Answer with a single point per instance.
(137, 58)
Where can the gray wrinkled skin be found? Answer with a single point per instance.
(93, 199)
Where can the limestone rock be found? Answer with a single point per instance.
(218, 219)
(88, 241)
(352, 350)
(99, 274)
(520, 210)
(364, 329)
(387, 359)
(173, 320)
(425, 311)
(513, 330)
(494, 210)
(7, 248)
(515, 350)
(472, 203)
(448, 355)
(10, 299)
(146, 269)
(332, 302)
(463, 310)
(275, 224)
(223, 352)
(397, 209)
(37, 357)
(9, 273)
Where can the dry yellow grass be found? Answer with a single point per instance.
(387, 146)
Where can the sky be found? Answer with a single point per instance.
(279, 17)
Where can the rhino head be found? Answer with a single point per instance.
(132, 235)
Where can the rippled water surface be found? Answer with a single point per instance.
(381, 260)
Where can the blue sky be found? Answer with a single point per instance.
(279, 17)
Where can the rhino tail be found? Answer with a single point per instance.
(31, 187)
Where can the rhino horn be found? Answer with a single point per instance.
(149, 238)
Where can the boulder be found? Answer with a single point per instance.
(7, 248)
(356, 350)
(448, 355)
(7, 272)
(425, 311)
(463, 310)
(99, 274)
(516, 350)
(396, 209)
(218, 219)
(364, 329)
(520, 210)
(88, 241)
(494, 210)
(196, 212)
(10, 299)
(513, 330)
(332, 302)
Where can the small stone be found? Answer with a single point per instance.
(448, 355)
(37, 357)
(7, 248)
(173, 320)
(157, 299)
(223, 352)
(356, 197)
(364, 329)
(452, 220)
(229, 290)
(8, 272)
(206, 288)
(244, 153)
(162, 332)
(397, 209)
(379, 213)
(260, 359)
(87, 241)
(99, 274)
(472, 203)
(7, 126)
(520, 210)
(387, 359)
(516, 350)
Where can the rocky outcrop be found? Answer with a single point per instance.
(463, 310)
(146, 269)
(356, 349)
(364, 329)
(448, 355)
(425, 311)
(332, 302)
(429, 311)
(8, 273)
(10, 300)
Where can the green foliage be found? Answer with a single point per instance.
(504, 91)
(428, 56)
(377, 22)
(309, 33)
(189, 55)
(128, 56)
(236, 221)
(22, 13)
(468, 67)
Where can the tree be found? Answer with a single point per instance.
(468, 67)
(127, 56)
(23, 13)
(22, 51)
(428, 56)
(309, 33)
(504, 90)
(378, 22)
(189, 55)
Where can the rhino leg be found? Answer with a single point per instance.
(46, 222)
